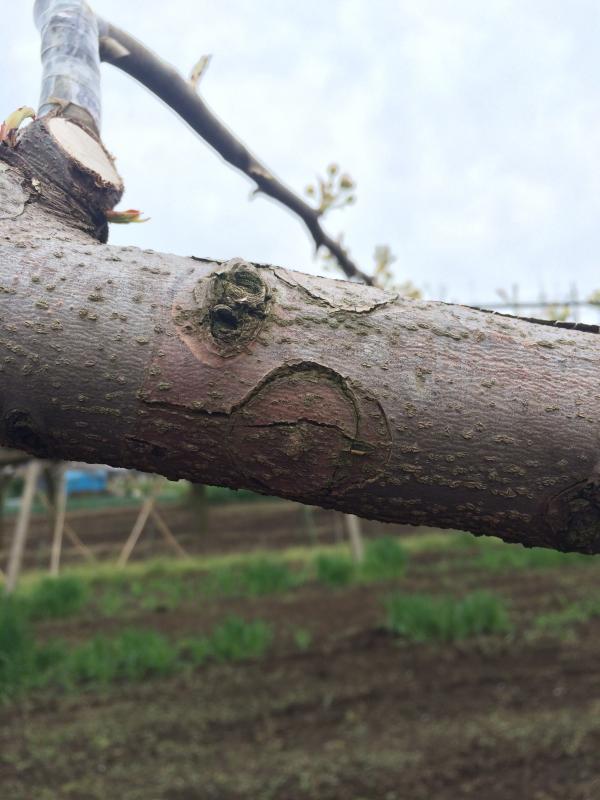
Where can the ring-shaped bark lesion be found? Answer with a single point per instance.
(574, 517)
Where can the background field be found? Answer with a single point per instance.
(446, 667)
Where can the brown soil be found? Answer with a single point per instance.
(357, 716)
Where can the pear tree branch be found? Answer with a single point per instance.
(123, 51)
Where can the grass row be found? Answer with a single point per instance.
(166, 585)
(421, 618)
(569, 617)
(250, 577)
(130, 655)
(134, 654)
(486, 553)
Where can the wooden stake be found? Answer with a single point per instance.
(59, 508)
(309, 523)
(15, 560)
(338, 526)
(139, 525)
(356, 541)
(167, 534)
(4, 480)
(69, 531)
(78, 544)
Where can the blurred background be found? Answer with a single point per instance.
(165, 641)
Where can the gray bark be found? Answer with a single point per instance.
(323, 391)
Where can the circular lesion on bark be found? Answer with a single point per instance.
(20, 430)
(229, 309)
(306, 429)
(574, 518)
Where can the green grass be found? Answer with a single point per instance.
(149, 593)
(111, 602)
(131, 655)
(498, 557)
(162, 593)
(252, 577)
(154, 591)
(236, 640)
(221, 581)
(491, 553)
(334, 570)
(302, 638)
(422, 618)
(55, 597)
(106, 574)
(384, 558)
(17, 651)
(568, 617)
(165, 584)
(266, 576)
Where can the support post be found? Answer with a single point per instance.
(15, 560)
(355, 536)
(166, 533)
(69, 532)
(139, 525)
(59, 507)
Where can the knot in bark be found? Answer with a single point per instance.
(236, 306)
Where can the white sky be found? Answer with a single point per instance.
(471, 128)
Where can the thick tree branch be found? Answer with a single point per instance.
(126, 53)
(321, 391)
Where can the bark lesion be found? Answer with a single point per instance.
(22, 432)
(330, 436)
(230, 308)
(238, 306)
(574, 518)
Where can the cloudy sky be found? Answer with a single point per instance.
(472, 130)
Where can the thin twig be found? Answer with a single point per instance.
(542, 304)
(123, 51)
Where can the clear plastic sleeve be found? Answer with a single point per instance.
(70, 56)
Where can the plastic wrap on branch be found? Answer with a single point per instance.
(70, 58)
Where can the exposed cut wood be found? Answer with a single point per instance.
(85, 151)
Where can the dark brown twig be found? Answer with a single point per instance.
(540, 304)
(126, 53)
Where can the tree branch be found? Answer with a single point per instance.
(322, 391)
(123, 51)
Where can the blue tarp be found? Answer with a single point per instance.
(80, 481)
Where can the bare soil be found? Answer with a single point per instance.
(357, 715)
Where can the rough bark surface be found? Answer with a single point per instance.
(324, 391)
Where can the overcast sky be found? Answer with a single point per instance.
(472, 130)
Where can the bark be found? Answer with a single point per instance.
(323, 391)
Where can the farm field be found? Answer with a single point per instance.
(446, 667)
(233, 527)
